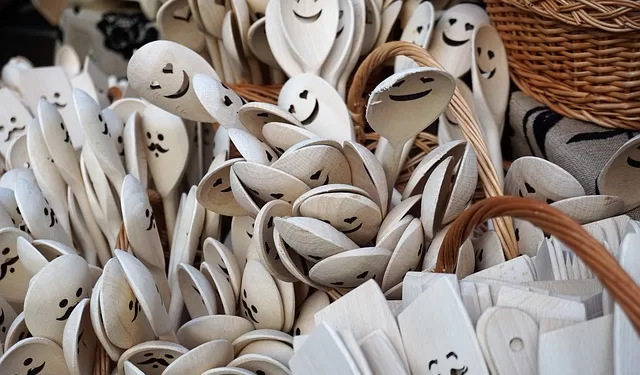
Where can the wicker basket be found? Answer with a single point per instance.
(623, 289)
(581, 58)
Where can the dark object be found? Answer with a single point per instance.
(125, 32)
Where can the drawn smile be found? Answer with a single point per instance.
(408, 97)
(340, 31)
(311, 18)
(106, 130)
(59, 106)
(53, 219)
(313, 115)
(633, 162)
(36, 370)
(67, 138)
(67, 313)
(460, 371)
(13, 130)
(157, 147)
(183, 89)
(5, 266)
(352, 230)
(487, 75)
(451, 42)
(150, 361)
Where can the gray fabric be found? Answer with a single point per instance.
(581, 148)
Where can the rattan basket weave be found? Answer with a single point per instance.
(581, 58)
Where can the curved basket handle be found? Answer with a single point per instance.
(623, 289)
(356, 101)
(618, 16)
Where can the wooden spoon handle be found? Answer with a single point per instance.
(356, 101)
(621, 286)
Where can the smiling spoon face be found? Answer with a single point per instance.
(167, 146)
(14, 118)
(490, 72)
(165, 79)
(53, 294)
(34, 356)
(303, 18)
(422, 92)
(451, 45)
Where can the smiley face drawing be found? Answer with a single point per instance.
(53, 294)
(152, 357)
(214, 191)
(453, 369)
(451, 45)
(14, 118)
(307, 111)
(165, 80)
(34, 356)
(14, 278)
(307, 11)
(156, 147)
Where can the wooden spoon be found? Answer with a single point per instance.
(251, 148)
(15, 278)
(152, 357)
(57, 139)
(305, 323)
(32, 354)
(260, 297)
(116, 129)
(98, 137)
(588, 208)
(17, 153)
(464, 185)
(277, 42)
(125, 107)
(315, 104)
(321, 21)
(536, 178)
(388, 19)
(147, 293)
(417, 31)
(204, 357)
(232, 43)
(373, 23)
(14, 116)
(135, 156)
(199, 296)
(98, 326)
(360, 24)
(9, 315)
(214, 191)
(453, 33)
(351, 268)
(448, 126)
(490, 77)
(254, 116)
(213, 327)
(53, 294)
(260, 48)
(17, 331)
(176, 23)
(167, 145)
(342, 45)
(404, 92)
(222, 285)
(124, 323)
(216, 253)
(312, 238)
(620, 173)
(316, 165)
(406, 256)
(367, 173)
(79, 340)
(352, 214)
(268, 183)
(263, 233)
(37, 213)
(165, 81)
(221, 102)
(53, 186)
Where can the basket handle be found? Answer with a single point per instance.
(623, 289)
(618, 16)
(356, 101)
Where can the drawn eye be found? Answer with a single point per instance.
(479, 51)
(419, 29)
(303, 95)
(13, 120)
(398, 84)
(154, 85)
(468, 26)
(168, 69)
(490, 54)
(426, 79)
(1, 128)
(56, 95)
(452, 21)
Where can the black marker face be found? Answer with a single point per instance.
(135, 308)
(154, 362)
(485, 57)
(33, 370)
(55, 98)
(411, 88)
(305, 108)
(448, 365)
(9, 259)
(457, 27)
(51, 216)
(157, 147)
(66, 306)
(307, 11)
(148, 213)
(11, 127)
(170, 77)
